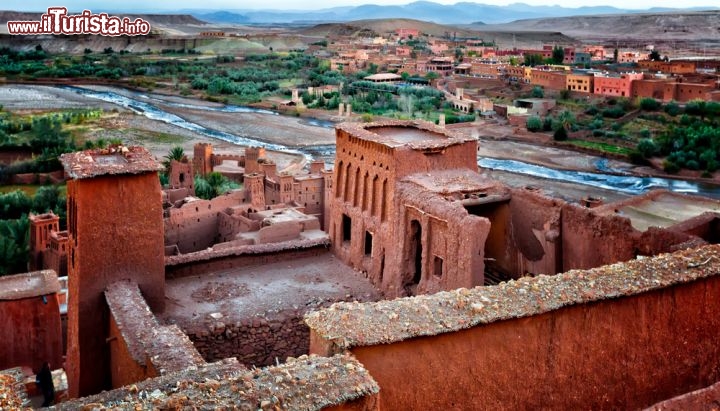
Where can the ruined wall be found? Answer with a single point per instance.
(617, 337)
(536, 228)
(230, 225)
(194, 226)
(181, 175)
(590, 240)
(451, 246)
(30, 321)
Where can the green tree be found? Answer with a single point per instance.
(14, 240)
(558, 55)
(537, 92)
(655, 55)
(532, 60)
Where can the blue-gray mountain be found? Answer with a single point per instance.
(459, 13)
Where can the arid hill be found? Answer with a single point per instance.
(504, 38)
(682, 26)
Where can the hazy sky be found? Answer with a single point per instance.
(164, 5)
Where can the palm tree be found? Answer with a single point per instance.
(177, 153)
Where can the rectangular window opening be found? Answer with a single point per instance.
(346, 227)
(438, 266)
(368, 243)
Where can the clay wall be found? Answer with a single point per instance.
(55, 177)
(553, 80)
(705, 226)
(120, 237)
(618, 337)
(524, 236)
(41, 228)
(242, 256)
(173, 195)
(450, 250)
(590, 240)
(55, 257)
(195, 225)
(192, 227)
(181, 175)
(277, 232)
(652, 88)
(30, 321)
(672, 67)
(309, 192)
(230, 225)
(202, 158)
(140, 348)
(687, 92)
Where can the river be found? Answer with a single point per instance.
(608, 180)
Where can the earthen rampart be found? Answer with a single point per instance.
(621, 336)
(305, 383)
(140, 348)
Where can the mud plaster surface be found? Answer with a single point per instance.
(262, 290)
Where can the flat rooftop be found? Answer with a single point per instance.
(244, 293)
(663, 210)
(402, 135)
(396, 133)
(457, 181)
(28, 285)
(109, 161)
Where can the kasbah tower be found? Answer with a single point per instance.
(116, 233)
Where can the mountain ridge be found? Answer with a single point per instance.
(458, 13)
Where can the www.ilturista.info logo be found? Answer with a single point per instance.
(57, 21)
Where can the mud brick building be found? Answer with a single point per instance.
(30, 320)
(115, 233)
(398, 210)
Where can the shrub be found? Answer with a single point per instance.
(534, 124)
(614, 112)
(537, 92)
(672, 108)
(647, 147)
(649, 104)
(670, 167)
(560, 134)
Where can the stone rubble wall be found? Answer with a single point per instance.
(257, 341)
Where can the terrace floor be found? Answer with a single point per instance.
(245, 292)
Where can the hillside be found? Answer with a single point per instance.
(503, 38)
(687, 26)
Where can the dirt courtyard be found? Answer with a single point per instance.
(263, 290)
